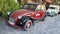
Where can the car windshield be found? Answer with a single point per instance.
(30, 7)
(51, 7)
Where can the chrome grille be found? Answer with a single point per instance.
(11, 21)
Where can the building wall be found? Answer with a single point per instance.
(22, 1)
(29, 1)
(33, 0)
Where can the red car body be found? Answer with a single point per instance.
(33, 14)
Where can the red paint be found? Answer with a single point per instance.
(48, 1)
(41, 14)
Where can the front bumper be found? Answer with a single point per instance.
(12, 24)
(50, 13)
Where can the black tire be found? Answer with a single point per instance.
(44, 17)
(52, 15)
(27, 25)
(58, 12)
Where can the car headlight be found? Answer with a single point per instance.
(47, 12)
(8, 13)
(19, 17)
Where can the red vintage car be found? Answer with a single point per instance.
(26, 16)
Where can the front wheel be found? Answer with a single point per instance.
(27, 25)
(44, 17)
(52, 15)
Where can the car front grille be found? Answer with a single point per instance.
(11, 21)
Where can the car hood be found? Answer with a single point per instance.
(21, 12)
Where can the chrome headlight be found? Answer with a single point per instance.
(47, 12)
(11, 21)
(19, 17)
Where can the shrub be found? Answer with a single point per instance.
(1, 6)
(8, 5)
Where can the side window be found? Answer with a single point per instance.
(41, 7)
(26, 6)
(32, 7)
(56, 8)
(38, 7)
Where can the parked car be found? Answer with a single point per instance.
(59, 11)
(26, 16)
(53, 10)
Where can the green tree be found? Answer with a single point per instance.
(8, 5)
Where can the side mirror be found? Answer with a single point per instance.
(8, 13)
(21, 6)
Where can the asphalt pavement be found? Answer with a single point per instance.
(51, 25)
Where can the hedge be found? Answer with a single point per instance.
(8, 5)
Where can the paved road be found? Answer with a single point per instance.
(51, 25)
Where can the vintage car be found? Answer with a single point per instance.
(26, 16)
(53, 10)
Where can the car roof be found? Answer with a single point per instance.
(32, 3)
(53, 6)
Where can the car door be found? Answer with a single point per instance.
(57, 9)
(38, 14)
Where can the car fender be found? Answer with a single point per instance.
(24, 19)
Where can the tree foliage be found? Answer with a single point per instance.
(8, 5)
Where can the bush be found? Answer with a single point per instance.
(8, 5)
(1, 6)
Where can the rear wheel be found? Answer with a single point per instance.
(59, 12)
(27, 25)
